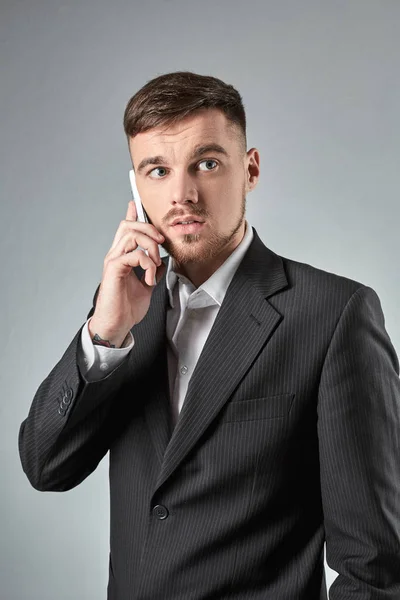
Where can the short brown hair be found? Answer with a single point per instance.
(169, 98)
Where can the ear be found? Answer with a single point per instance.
(252, 169)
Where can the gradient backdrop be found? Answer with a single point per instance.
(320, 84)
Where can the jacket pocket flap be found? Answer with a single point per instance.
(268, 407)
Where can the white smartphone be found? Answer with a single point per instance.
(141, 213)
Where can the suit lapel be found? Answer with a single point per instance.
(244, 324)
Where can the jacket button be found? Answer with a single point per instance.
(67, 397)
(160, 512)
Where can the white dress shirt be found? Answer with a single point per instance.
(190, 317)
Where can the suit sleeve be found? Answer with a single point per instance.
(71, 422)
(359, 445)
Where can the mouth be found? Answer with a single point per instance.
(189, 228)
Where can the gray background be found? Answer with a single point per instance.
(320, 84)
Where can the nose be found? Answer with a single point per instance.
(183, 190)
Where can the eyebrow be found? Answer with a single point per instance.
(199, 150)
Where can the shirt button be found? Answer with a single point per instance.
(160, 512)
(104, 366)
(184, 370)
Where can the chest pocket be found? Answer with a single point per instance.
(254, 409)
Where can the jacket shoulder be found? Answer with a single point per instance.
(319, 284)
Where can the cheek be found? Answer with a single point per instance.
(223, 192)
(157, 208)
(228, 202)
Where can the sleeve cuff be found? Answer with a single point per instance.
(100, 359)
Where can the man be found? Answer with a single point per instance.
(250, 403)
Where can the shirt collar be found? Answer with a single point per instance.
(216, 285)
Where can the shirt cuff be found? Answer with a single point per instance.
(99, 358)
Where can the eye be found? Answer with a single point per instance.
(156, 169)
(207, 162)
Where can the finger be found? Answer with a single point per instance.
(131, 214)
(159, 272)
(147, 228)
(148, 266)
(130, 240)
(152, 272)
(124, 264)
(138, 229)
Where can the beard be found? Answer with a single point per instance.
(203, 248)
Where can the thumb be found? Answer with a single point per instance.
(160, 271)
(159, 275)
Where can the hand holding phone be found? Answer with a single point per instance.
(123, 300)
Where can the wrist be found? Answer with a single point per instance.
(102, 336)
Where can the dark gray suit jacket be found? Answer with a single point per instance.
(288, 436)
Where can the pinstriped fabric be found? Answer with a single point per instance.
(289, 435)
(366, 426)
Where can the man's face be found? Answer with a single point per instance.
(211, 186)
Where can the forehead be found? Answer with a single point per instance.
(205, 126)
